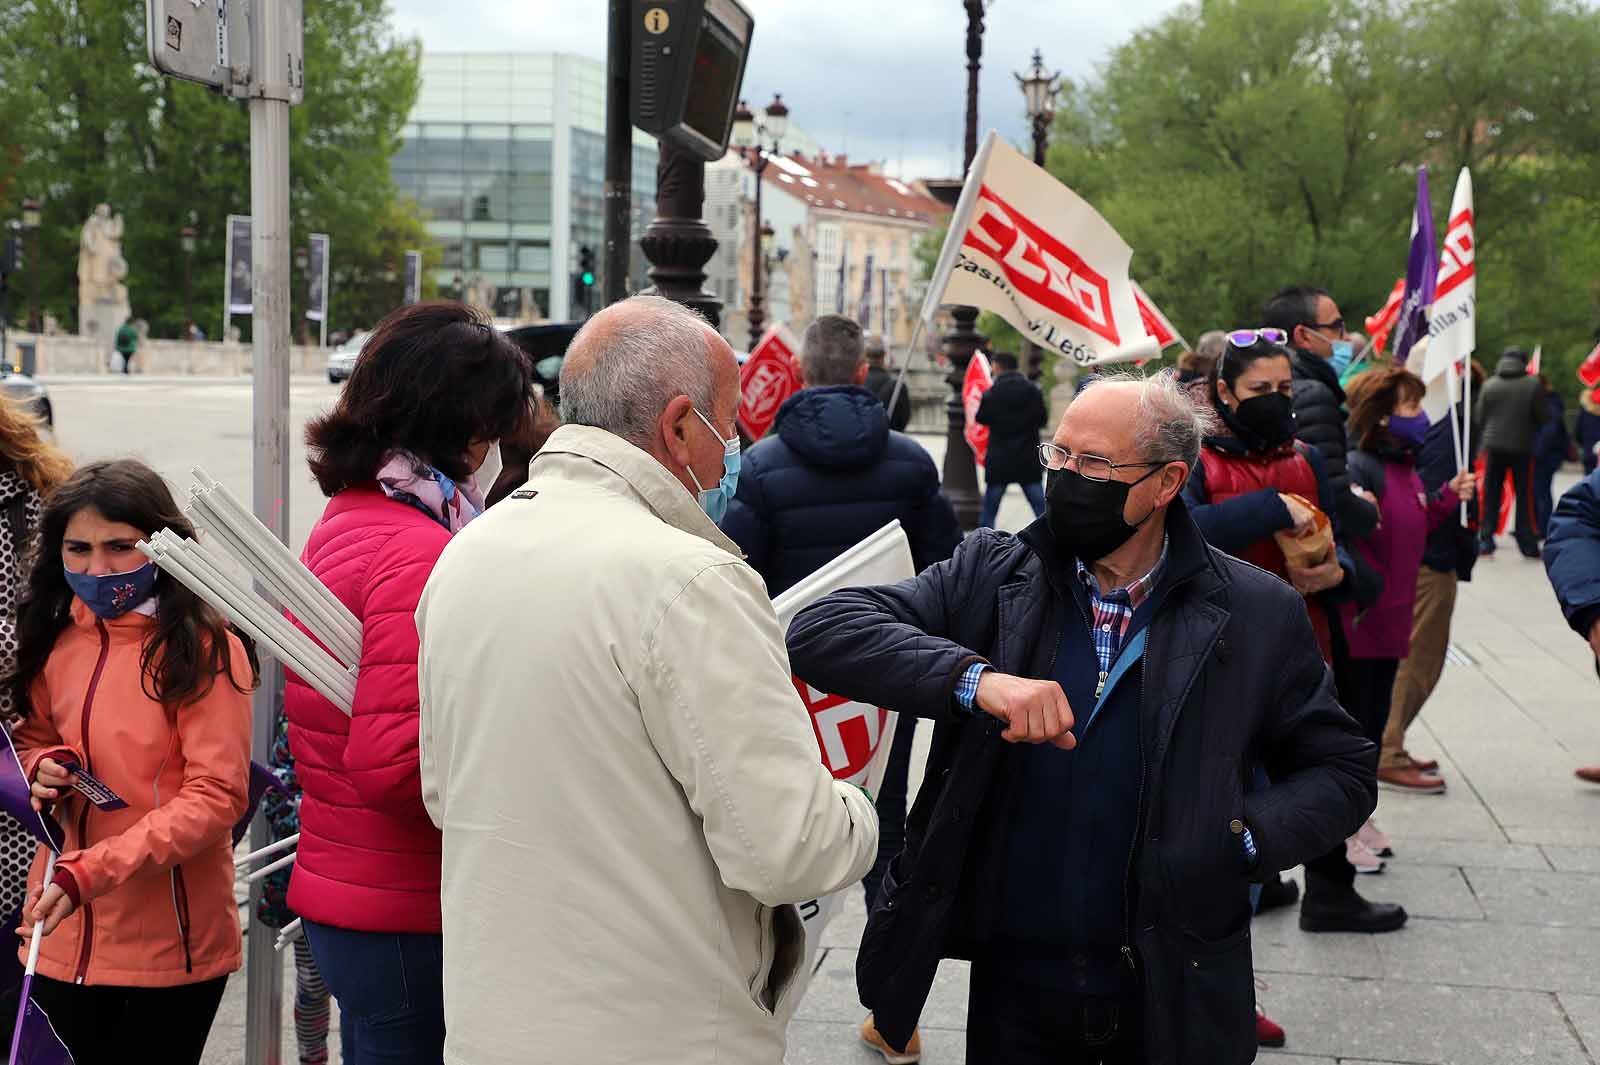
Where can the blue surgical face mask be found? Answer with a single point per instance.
(1343, 352)
(714, 501)
(111, 595)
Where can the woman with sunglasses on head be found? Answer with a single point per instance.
(125, 674)
(1254, 481)
(404, 457)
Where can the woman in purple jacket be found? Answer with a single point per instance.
(1387, 428)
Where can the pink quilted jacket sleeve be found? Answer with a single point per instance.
(381, 756)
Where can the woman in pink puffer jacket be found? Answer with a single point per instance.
(401, 456)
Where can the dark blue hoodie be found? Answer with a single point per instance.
(830, 474)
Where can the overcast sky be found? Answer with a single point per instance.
(878, 79)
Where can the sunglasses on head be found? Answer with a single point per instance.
(1245, 338)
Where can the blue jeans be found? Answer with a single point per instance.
(994, 493)
(390, 989)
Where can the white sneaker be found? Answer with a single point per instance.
(1361, 856)
(1374, 840)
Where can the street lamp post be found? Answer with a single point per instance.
(1039, 90)
(31, 218)
(774, 124)
(960, 467)
(188, 237)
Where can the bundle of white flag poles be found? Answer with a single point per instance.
(328, 666)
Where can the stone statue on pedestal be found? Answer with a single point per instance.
(102, 296)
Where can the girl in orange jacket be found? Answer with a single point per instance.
(125, 674)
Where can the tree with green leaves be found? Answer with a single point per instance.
(85, 120)
(1243, 145)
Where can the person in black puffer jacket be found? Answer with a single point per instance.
(832, 473)
(1320, 352)
(1013, 409)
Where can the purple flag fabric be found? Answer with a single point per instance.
(16, 796)
(262, 780)
(39, 1044)
(1422, 273)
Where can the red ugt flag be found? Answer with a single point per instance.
(1589, 369)
(1381, 324)
(767, 378)
(976, 384)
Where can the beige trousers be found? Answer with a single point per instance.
(1419, 671)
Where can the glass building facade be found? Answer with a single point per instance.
(506, 155)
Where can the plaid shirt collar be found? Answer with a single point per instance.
(1129, 597)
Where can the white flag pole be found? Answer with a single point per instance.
(1466, 435)
(905, 364)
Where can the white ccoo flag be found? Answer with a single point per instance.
(1026, 247)
(854, 737)
(1453, 332)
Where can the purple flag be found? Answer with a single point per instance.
(262, 780)
(16, 796)
(1422, 273)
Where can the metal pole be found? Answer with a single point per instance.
(757, 315)
(269, 206)
(619, 156)
(188, 301)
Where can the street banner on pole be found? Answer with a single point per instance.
(854, 738)
(1380, 325)
(413, 277)
(839, 298)
(864, 311)
(883, 305)
(767, 378)
(1422, 272)
(977, 382)
(317, 282)
(239, 294)
(1026, 247)
(1155, 323)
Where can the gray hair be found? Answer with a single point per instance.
(632, 359)
(1171, 426)
(832, 351)
(1212, 345)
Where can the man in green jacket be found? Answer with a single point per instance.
(1510, 410)
(127, 344)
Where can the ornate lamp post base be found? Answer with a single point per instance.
(960, 467)
(678, 243)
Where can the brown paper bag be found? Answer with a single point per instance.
(1312, 549)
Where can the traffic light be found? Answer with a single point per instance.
(586, 266)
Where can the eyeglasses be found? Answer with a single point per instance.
(1337, 325)
(1246, 338)
(1090, 467)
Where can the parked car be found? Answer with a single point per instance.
(342, 359)
(28, 392)
(546, 345)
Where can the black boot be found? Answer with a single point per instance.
(1277, 893)
(1335, 907)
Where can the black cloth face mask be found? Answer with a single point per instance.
(1085, 516)
(1270, 417)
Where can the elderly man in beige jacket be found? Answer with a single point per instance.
(630, 791)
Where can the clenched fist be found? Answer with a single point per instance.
(1035, 711)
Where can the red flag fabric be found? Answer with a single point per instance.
(1381, 324)
(1589, 370)
(1155, 323)
(976, 384)
(767, 378)
(1535, 360)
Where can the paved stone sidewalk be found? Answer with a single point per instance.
(1501, 876)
